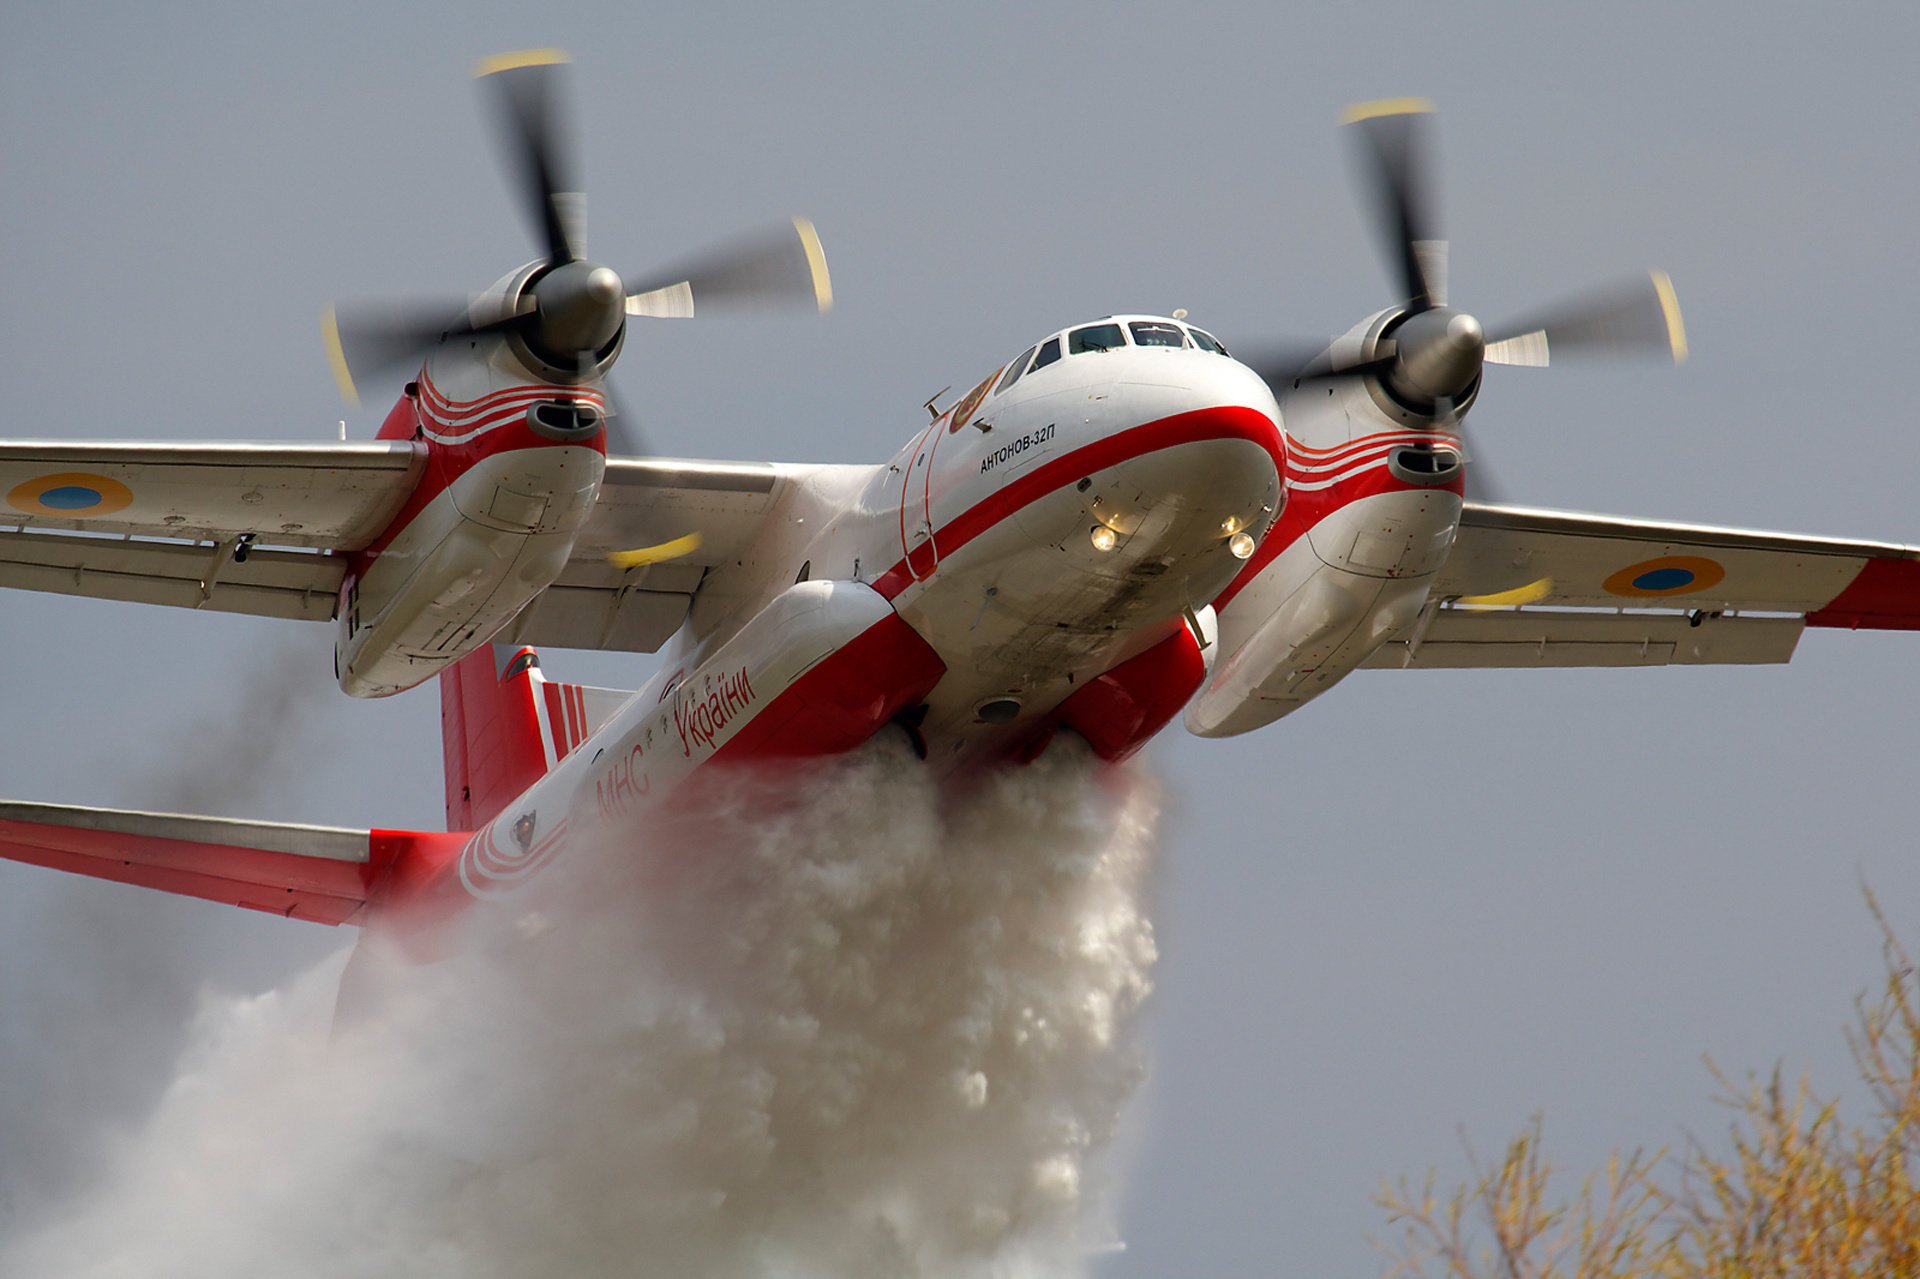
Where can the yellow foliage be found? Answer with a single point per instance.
(1801, 1194)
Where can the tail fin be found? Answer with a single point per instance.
(503, 725)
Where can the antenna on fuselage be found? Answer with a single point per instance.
(934, 399)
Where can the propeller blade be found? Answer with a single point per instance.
(1640, 316)
(623, 431)
(538, 142)
(1394, 133)
(685, 545)
(1284, 364)
(369, 341)
(1481, 484)
(768, 269)
(623, 434)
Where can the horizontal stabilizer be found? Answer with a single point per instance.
(321, 873)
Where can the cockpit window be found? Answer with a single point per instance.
(1095, 337)
(1207, 342)
(1156, 333)
(1014, 370)
(1049, 352)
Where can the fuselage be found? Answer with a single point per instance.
(1043, 529)
(1111, 528)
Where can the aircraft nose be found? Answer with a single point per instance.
(1209, 497)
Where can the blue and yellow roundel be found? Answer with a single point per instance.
(70, 494)
(1668, 575)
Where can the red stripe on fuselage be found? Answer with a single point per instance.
(1231, 422)
(1307, 507)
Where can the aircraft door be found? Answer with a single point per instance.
(916, 515)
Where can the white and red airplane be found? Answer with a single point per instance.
(1121, 525)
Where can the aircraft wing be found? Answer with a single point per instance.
(1527, 587)
(158, 523)
(654, 502)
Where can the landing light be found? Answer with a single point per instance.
(1104, 538)
(1241, 544)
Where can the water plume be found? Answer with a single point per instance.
(88, 1041)
(840, 1023)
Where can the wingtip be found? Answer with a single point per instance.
(521, 58)
(816, 264)
(1670, 311)
(337, 358)
(1384, 107)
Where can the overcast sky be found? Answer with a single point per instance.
(1430, 900)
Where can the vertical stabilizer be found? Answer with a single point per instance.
(491, 732)
(503, 725)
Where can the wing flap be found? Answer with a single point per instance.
(1468, 638)
(334, 495)
(319, 873)
(645, 502)
(293, 584)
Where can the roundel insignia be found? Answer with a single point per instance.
(1668, 575)
(69, 494)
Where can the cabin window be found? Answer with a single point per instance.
(1207, 342)
(1095, 337)
(1015, 369)
(1156, 333)
(1049, 352)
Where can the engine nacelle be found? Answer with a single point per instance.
(463, 567)
(1322, 607)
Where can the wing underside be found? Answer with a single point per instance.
(259, 529)
(319, 873)
(240, 528)
(1530, 587)
(652, 502)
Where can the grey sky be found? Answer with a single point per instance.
(1427, 901)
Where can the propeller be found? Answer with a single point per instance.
(565, 314)
(536, 137)
(1426, 355)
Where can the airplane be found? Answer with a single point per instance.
(1122, 525)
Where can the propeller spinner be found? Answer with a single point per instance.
(566, 315)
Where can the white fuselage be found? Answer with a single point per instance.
(1052, 531)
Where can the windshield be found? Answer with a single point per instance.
(1156, 333)
(1095, 337)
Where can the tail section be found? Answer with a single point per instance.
(504, 725)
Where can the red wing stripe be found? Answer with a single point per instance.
(1885, 596)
